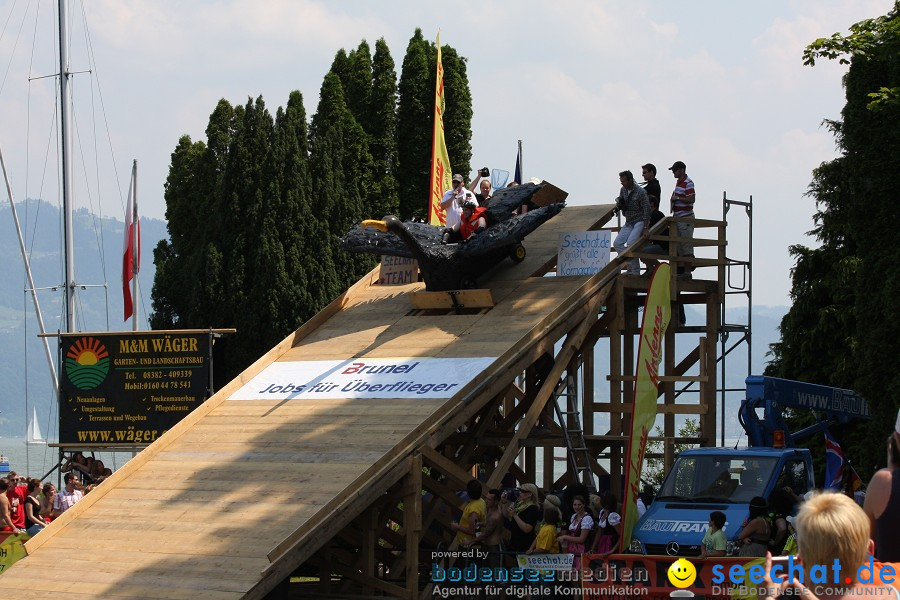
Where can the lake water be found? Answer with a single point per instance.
(35, 461)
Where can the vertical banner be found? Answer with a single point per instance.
(440, 161)
(657, 312)
(131, 254)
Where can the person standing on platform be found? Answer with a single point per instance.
(635, 207)
(651, 183)
(683, 208)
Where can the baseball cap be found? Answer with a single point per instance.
(458, 178)
(677, 165)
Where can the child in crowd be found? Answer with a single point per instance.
(713, 543)
(546, 542)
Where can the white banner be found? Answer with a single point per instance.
(546, 562)
(363, 378)
(582, 252)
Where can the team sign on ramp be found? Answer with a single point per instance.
(363, 378)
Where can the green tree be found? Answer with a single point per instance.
(382, 128)
(341, 176)
(415, 119)
(414, 127)
(655, 468)
(841, 325)
(357, 84)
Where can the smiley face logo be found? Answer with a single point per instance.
(682, 573)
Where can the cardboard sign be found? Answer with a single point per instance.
(363, 378)
(397, 270)
(582, 252)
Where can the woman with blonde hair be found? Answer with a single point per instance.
(523, 517)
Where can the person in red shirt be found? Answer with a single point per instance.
(6, 522)
(16, 493)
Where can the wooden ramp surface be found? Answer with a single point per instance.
(212, 508)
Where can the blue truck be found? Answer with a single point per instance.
(703, 480)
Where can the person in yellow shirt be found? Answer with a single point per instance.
(474, 515)
(546, 542)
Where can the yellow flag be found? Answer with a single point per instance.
(441, 176)
(657, 312)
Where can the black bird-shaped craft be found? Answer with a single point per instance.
(458, 266)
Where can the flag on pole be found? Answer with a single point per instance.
(441, 175)
(657, 312)
(131, 256)
(518, 176)
(834, 466)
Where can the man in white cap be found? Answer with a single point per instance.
(453, 199)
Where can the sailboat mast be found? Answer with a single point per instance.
(65, 142)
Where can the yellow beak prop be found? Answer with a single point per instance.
(379, 225)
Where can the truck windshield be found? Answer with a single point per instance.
(718, 478)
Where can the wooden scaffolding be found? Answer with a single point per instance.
(348, 498)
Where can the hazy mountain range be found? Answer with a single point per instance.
(98, 244)
(98, 251)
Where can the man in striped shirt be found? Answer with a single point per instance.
(683, 207)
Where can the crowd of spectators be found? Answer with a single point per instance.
(27, 505)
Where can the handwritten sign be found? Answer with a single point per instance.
(397, 270)
(582, 252)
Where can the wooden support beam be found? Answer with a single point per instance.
(412, 524)
(460, 476)
(569, 348)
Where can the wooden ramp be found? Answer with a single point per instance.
(230, 501)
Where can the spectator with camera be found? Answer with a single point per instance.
(635, 207)
(453, 200)
(483, 184)
(522, 517)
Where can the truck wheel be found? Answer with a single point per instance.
(517, 254)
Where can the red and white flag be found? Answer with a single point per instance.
(131, 257)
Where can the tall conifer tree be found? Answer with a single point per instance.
(382, 127)
(414, 128)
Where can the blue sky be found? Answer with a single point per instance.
(591, 87)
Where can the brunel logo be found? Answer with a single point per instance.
(87, 363)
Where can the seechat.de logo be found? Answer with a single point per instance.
(87, 363)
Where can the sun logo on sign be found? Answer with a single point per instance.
(87, 363)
